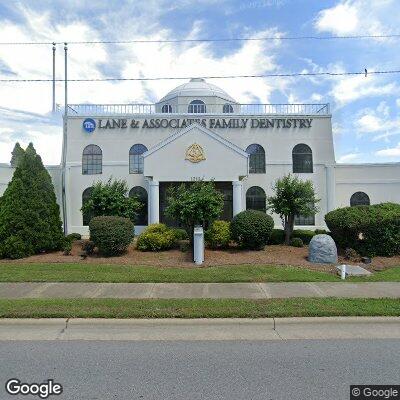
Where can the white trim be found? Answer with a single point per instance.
(206, 131)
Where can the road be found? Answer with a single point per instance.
(190, 370)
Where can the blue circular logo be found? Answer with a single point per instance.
(89, 125)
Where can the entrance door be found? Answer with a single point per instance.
(224, 187)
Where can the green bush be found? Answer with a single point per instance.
(111, 235)
(304, 234)
(156, 237)
(88, 247)
(321, 232)
(74, 236)
(218, 235)
(180, 234)
(13, 247)
(277, 236)
(67, 247)
(370, 230)
(252, 229)
(296, 242)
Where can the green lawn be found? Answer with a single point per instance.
(196, 308)
(126, 273)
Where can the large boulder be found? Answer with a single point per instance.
(322, 250)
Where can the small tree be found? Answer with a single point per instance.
(111, 199)
(16, 155)
(195, 203)
(292, 197)
(29, 214)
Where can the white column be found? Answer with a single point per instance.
(330, 187)
(237, 197)
(154, 202)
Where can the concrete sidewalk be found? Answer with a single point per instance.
(201, 329)
(199, 290)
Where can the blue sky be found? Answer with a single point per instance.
(366, 111)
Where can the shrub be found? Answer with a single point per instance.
(180, 234)
(111, 235)
(74, 236)
(296, 242)
(88, 247)
(156, 237)
(277, 236)
(351, 254)
(13, 247)
(218, 235)
(370, 230)
(304, 234)
(252, 229)
(321, 232)
(67, 247)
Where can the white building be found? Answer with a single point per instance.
(198, 131)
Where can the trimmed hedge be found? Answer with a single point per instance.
(73, 236)
(370, 230)
(277, 236)
(218, 235)
(304, 234)
(180, 234)
(111, 235)
(252, 229)
(156, 237)
(296, 242)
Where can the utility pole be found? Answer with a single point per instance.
(54, 78)
(64, 147)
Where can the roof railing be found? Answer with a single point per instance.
(236, 109)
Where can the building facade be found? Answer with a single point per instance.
(198, 131)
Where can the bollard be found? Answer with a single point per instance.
(198, 245)
(343, 272)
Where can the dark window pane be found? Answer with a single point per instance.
(136, 161)
(256, 199)
(302, 159)
(227, 109)
(92, 160)
(359, 199)
(257, 159)
(197, 107)
(141, 194)
(166, 108)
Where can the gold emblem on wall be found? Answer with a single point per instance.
(195, 153)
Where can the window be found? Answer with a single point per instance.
(197, 107)
(359, 199)
(85, 197)
(257, 159)
(166, 108)
(302, 220)
(136, 159)
(302, 159)
(256, 199)
(92, 160)
(141, 194)
(227, 109)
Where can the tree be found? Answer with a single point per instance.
(16, 155)
(292, 197)
(29, 214)
(194, 203)
(111, 199)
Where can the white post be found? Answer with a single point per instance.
(237, 205)
(330, 187)
(198, 245)
(154, 202)
(343, 272)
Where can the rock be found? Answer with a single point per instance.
(353, 270)
(322, 250)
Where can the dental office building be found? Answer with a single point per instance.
(197, 130)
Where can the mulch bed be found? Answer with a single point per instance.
(273, 255)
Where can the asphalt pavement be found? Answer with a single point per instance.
(183, 370)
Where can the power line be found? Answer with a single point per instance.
(239, 39)
(283, 75)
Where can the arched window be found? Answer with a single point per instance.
(92, 160)
(136, 159)
(85, 197)
(166, 108)
(227, 109)
(141, 194)
(257, 159)
(359, 199)
(197, 107)
(302, 159)
(255, 199)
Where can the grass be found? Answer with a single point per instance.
(196, 308)
(388, 275)
(58, 272)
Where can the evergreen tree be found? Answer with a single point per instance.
(29, 214)
(16, 155)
